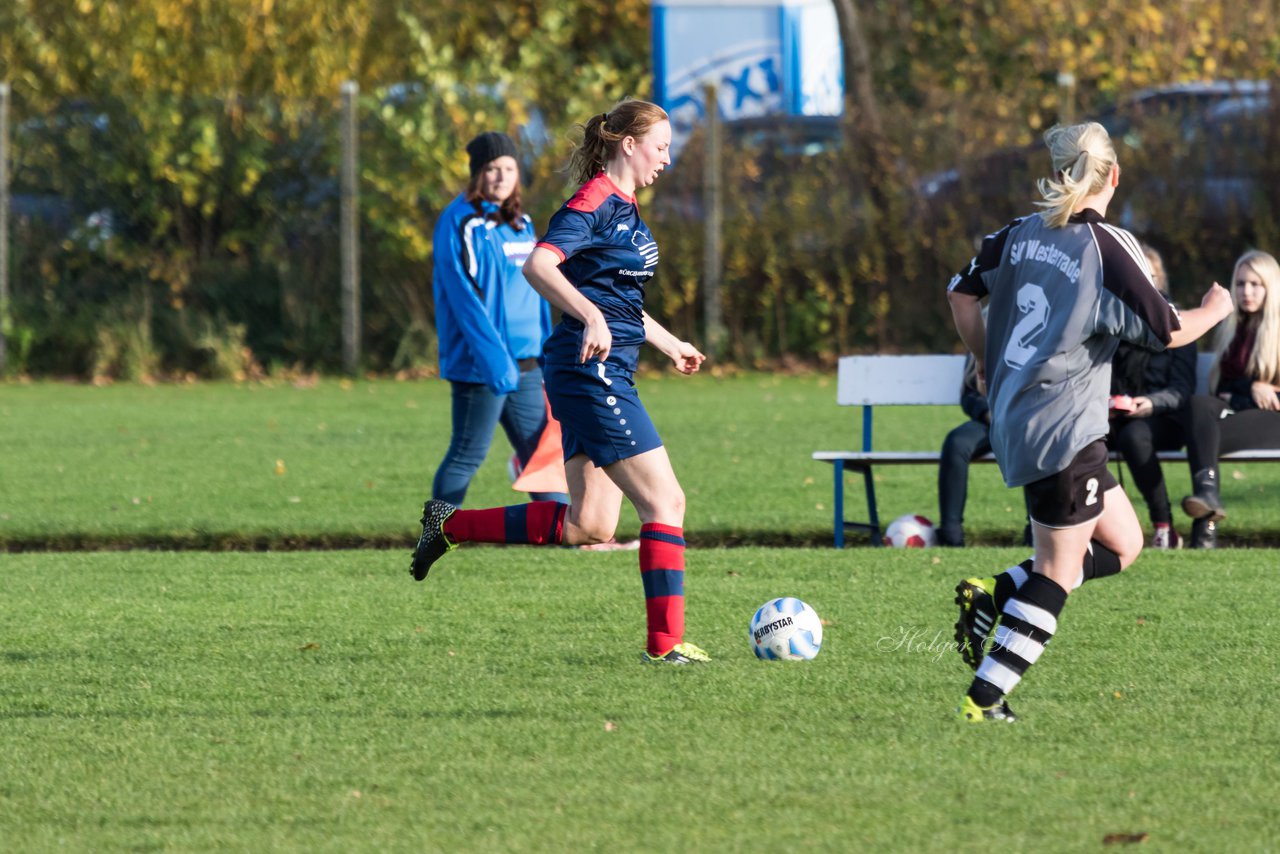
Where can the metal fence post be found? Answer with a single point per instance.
(4, 227)
(713, 204)
(350, 238)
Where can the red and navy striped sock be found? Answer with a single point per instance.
(539, 523)
(662, 571)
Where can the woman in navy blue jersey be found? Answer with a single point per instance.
(594, 263)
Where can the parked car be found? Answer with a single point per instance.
(34, 202)
(1192, 148)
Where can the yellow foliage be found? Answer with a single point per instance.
(212, 87)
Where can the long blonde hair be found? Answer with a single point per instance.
(1082, 160)
(1264, 359)
(601, 135)
(1158, 276)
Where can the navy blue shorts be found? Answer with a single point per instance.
(599, 411)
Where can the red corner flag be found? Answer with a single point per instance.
(545, 470)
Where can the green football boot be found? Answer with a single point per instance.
(971, 712)
(681, 653)
(978, 615)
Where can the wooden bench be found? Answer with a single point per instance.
(870, 381)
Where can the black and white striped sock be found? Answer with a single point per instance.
(1009, 581)
(1028, 622)
(1099, 562)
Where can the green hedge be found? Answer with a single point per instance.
(133, 280)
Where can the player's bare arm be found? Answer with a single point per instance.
(542, 269)
(686, 357)
(1213, 309)
(967, 311)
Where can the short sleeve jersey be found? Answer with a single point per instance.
(1060, 301)
(608, 254)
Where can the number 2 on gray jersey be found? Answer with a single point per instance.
(1034, 306)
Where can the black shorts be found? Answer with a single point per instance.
(1073, 496)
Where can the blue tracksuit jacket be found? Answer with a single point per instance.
(487, 314)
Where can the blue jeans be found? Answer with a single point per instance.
(476, 412)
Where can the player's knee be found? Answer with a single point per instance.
(670, 509)
(664, 513)
(1130, 553)
(1127, 548)
(595, 535)
(589, 531)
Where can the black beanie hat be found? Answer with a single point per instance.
(487, 147)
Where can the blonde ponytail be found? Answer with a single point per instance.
(1082, 160)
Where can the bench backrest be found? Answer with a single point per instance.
(869, 381)
(925, 380)
(884, 380)
(1204, 364)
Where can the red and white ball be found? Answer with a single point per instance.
(910, 532)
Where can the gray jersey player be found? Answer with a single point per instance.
(1064, 288)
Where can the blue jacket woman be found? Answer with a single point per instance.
(490, 323)
(488, 318)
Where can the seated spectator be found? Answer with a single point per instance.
(962, 445)
(1149, 391)
(1244, 410)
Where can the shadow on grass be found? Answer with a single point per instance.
(239, 542)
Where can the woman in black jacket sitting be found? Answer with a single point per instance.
(1149, 393)
(962, 445)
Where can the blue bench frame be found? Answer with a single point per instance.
(870, 381)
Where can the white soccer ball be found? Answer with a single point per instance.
(910, 532)
(787, 630)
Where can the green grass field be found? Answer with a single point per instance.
(322, 701)
(196, 466)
